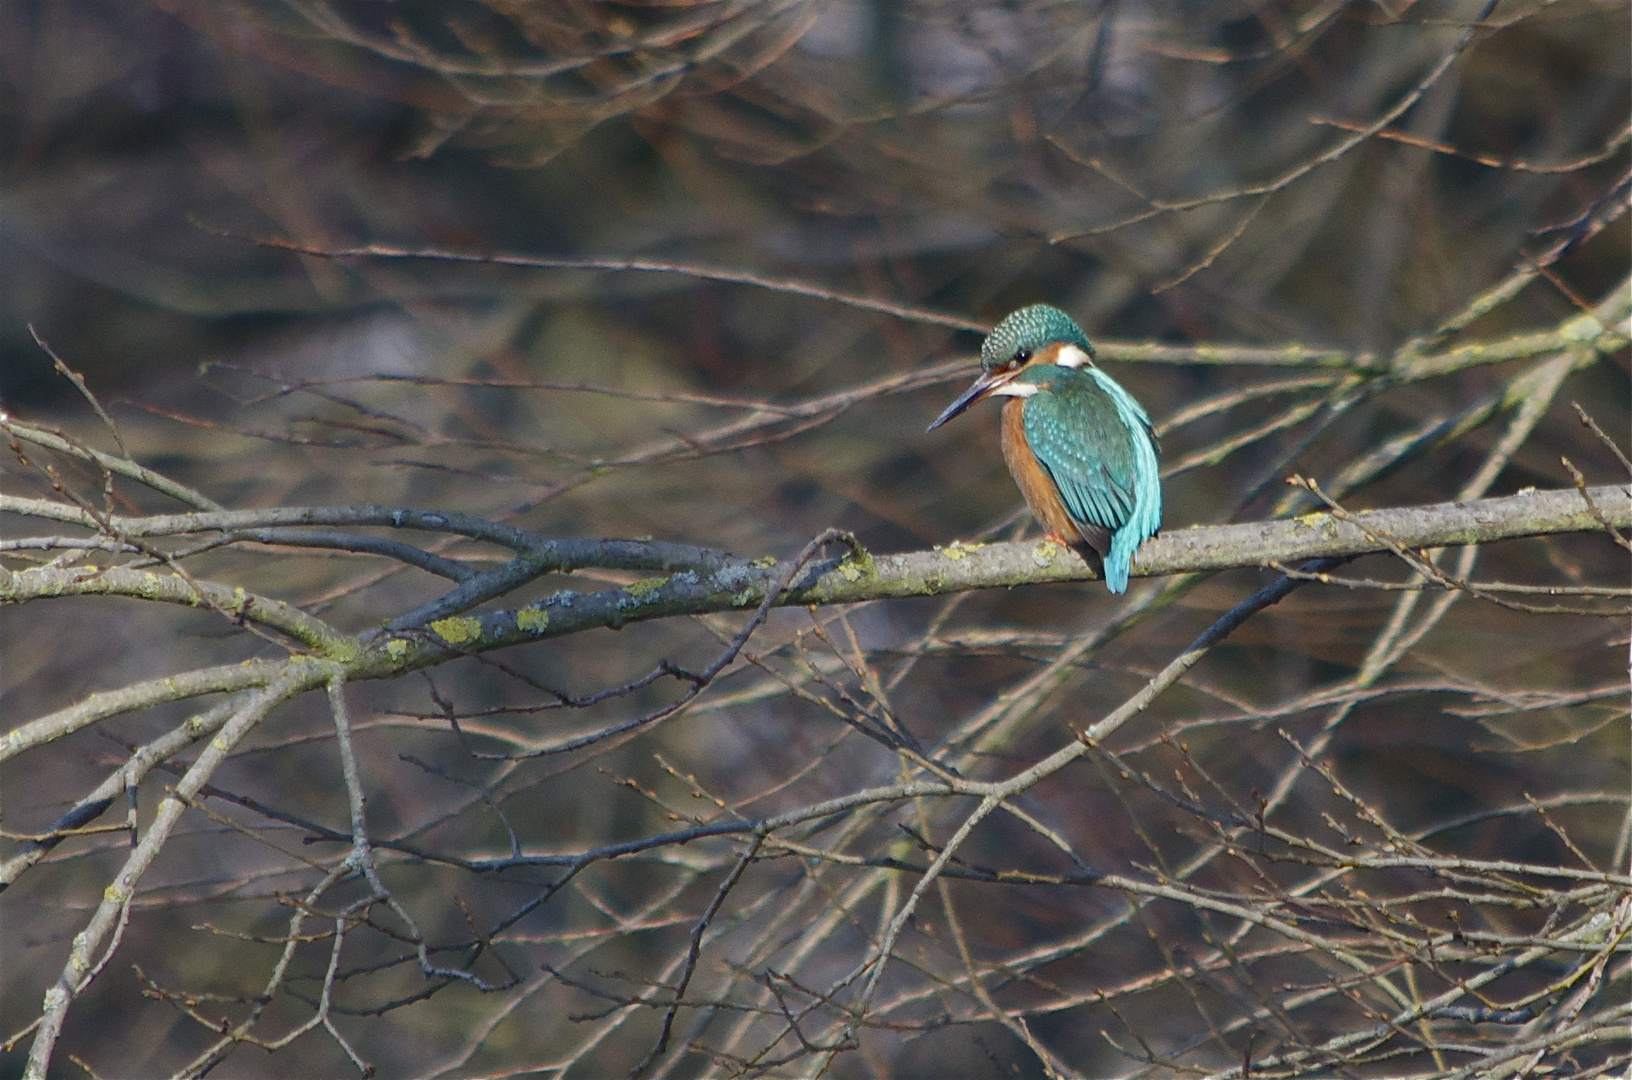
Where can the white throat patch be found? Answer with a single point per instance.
(1070, 356)
(1016, 388)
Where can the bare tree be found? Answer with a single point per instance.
(550, 644)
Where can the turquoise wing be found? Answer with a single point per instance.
(1098, 447)
(1081, 439)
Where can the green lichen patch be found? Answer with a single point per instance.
(1320, 521)
(960, 549)
(457, 629)
(1045, 551)
(857, 566)
(645, 587)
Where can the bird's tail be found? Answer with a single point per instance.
(1124, 542)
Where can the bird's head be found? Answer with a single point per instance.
(1034, 335)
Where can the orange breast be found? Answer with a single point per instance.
(1033, 480)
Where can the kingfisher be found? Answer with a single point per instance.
(1079, 447)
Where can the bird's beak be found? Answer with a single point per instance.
(980, 388)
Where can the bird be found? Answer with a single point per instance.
(1080, 448)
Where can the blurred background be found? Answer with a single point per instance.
(831, 199)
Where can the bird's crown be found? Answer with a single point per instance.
(1026, 331)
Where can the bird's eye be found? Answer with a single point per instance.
(1021, 356)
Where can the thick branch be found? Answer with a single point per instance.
(960, 567)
